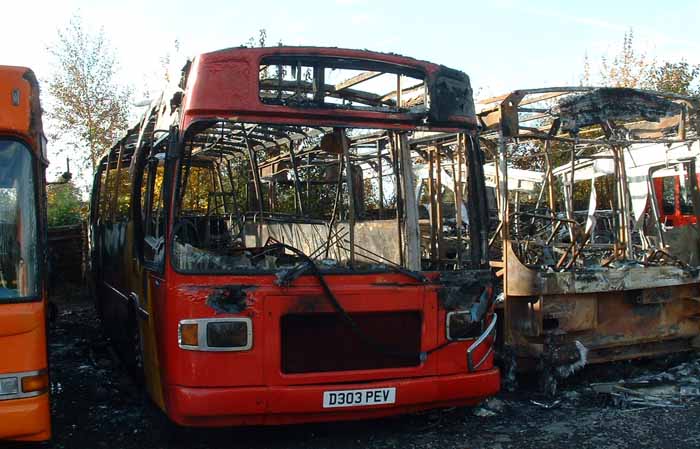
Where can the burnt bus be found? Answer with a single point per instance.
(256, 247)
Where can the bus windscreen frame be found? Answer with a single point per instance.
(17, 173)
(304, 81)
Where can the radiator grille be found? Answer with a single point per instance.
(325, 342)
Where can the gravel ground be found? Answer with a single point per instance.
(96, 405)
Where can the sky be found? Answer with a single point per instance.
(501, 44)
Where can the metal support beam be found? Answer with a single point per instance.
(351, 196)
(413, 255)
(297, 182)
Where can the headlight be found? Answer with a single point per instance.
(9, 385)
(216, 334)
(233, 334)
(461, 327)
(23, 385)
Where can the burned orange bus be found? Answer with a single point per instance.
(24, 397)
(256, 249)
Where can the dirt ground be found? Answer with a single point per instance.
(96, 405)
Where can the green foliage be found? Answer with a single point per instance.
(65, 206)
(320, 198)
(89, 107)
(677, 77)
(633, 68)
(629, 68)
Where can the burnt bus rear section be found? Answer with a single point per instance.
(307, 278)
(590, 271)
(567, 320)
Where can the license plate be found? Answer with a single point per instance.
(355, 398)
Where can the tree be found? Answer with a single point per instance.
(675, 77)
(260, 41)
(89, 108)
(166, 60)
(586, 76)
(632, 68)
(629, 68)
(64, 204)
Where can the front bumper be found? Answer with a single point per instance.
(274, 405)
(25, 419)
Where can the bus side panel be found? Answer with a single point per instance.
(112, 290)
(153, 347)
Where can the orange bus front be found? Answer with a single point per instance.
(24, 399)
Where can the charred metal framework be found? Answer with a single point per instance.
(589, 272)
(290, 183)
(334, 199)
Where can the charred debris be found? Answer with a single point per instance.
(591, 267)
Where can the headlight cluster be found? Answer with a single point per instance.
(23, 385)
(9, 385)
(460, 327)
(216, 334)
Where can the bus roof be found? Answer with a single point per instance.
(221, 85)
(20, 111)
(296, 83)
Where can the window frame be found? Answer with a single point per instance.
(323, 63)
(145, 170)
(174, 209)
(40, 230)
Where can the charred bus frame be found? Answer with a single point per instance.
(245, 271)
(596, 285)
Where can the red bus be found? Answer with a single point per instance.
(673, 195)
(256, 253)
(24, 384)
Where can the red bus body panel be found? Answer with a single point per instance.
(249, 387)
(677, 218)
